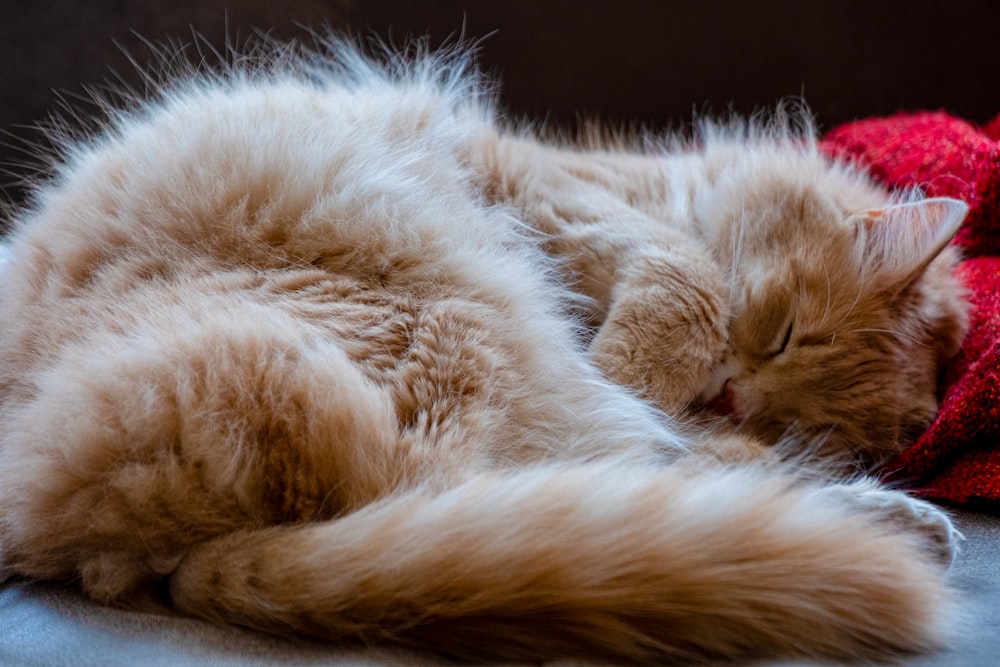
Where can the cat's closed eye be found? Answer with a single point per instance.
(784, 341)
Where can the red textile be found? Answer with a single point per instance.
(958, 458)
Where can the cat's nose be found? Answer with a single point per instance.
(722, 403)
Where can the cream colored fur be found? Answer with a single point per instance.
(294, 349)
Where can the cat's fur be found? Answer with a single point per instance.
(293, 342)
(752, 274)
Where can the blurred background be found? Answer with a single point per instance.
(651, 62)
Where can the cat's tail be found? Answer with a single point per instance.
(606, 561)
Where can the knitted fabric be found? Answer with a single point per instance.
(958, 458)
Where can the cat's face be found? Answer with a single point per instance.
(840, 320)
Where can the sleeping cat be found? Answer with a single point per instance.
(323, 349)
(753, 275)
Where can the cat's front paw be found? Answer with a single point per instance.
(663, 341)
(907, 514)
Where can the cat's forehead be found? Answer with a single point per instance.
(802, 272)
(812, 281)
(790, 234)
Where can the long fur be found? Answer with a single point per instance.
(294, 342)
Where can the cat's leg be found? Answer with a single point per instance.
(904, 513)
(219, 415)
(666, 326)
(658, 300)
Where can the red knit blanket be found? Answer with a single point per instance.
(958, 458)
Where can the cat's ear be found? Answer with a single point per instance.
(897, 242)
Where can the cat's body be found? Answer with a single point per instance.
(288, 345)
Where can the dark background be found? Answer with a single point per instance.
(653, 62)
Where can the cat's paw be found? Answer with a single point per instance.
(907, 514)
(931, 523)
(662, 340)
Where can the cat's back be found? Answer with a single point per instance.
(352, 172)
(218, 165)
(337, 197)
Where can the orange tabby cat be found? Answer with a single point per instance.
(290, 347)
(752, 274)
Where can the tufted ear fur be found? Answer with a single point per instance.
(896, 243)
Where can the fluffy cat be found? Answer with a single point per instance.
(750, 274)
(288, 348)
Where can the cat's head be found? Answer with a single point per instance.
(843, 306)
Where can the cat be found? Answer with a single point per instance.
(323, 348)
(751, 275)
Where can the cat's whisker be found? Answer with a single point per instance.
(829, 296)
(899, 334)
(854, 304)
(739, 230)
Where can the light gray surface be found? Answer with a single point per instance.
(976, 573)
(49, 626)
